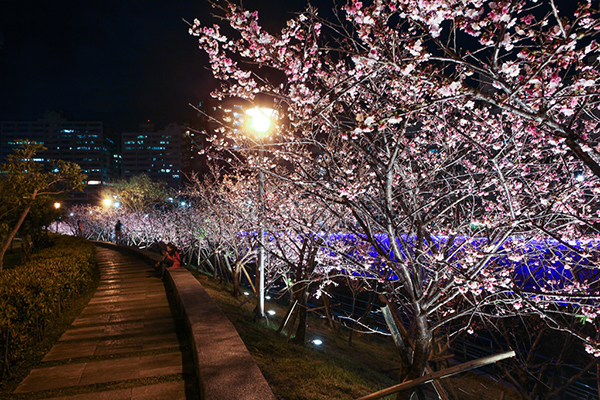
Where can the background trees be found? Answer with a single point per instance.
(230, 217)
(26, 183)
(138, 193)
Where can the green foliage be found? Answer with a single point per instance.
(138, 193)
(27, 185)
(24, 176)
(36, 292)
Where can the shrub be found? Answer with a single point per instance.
(34, 294)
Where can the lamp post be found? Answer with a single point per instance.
(260, 123)
(57, 206)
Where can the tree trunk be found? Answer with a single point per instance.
(421, 346)
(25, 249)
(289, 312)
(421, 349)
(236, 292)
(420, 341)
(292, 323)
(15, 229)
(353, 324)
(328, 312)
(300, 337)
(216, 266)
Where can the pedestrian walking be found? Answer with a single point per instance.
(118, 228)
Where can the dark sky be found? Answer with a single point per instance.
(122, 62)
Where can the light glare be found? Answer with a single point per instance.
(260, 120)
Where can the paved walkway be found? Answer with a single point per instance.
(128, 343)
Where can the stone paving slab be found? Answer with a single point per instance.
(128, 297)
(127, 328)
(67, 351)
(170, 390)
(117, 290)
(130, 285)
(127, 276)
(111, 266)
(123, 316)
(117, 370)
(51, 378)
(131, 282)
(141, 278)
(132, 305)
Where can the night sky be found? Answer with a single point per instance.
(121, 62)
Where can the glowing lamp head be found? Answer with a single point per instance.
(57, 205)
(317, 342)
(271, 312)
(107, 202)
(260, 120)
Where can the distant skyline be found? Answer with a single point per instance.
(121, 62)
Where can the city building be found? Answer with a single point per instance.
(86, 143)
(154, 153)
(197, 137)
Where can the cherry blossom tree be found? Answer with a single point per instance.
(229, 204)
(180, 225)
(302, 252)
(536, 63)
(468, 172)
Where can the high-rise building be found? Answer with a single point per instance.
(86, 143)
(154, 153)
(213, 114)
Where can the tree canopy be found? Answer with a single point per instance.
(459, 137)
(138, 193)
(26, 181)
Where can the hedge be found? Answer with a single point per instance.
(33, 294)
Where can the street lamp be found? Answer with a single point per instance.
(107, 202)
(57, 206)
(260, 122)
